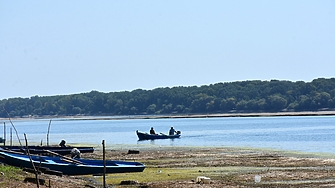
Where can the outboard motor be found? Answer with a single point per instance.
(178, 132)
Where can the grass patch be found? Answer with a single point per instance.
(10, 173)
(177, 174)
(153, 175)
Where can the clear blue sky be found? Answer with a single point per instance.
(67, 47)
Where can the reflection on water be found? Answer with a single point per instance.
(159, 142)
(311, 134)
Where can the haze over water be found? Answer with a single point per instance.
(305, 133)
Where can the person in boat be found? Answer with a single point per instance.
(172, 131)
(152, 131)
(62, 143)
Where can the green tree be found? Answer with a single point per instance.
(230, 103)
(277, 102)
(241, 105)
(151, 109)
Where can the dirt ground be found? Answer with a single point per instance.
(226, 167)
(232, 167)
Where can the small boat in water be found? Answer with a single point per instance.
(146, 136)
(42, 149)
(68, 166)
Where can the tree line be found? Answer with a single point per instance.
(239, 96)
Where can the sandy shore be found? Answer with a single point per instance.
(232, 114)
(265, 114)
(305, 113)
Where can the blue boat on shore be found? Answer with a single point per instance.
(68, 166)
(146, 136)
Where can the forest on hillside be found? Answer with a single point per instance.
(239, 96)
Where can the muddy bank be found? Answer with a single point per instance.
(226, 167)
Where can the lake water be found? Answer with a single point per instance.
(306, 133)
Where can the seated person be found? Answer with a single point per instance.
(62, 143)
(152, 131)
(172, 131)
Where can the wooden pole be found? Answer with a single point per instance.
(17, 134)
(32, 163)
(104, 159)
(4, 133)
(64, 157)
(11, 137)
(48, 133)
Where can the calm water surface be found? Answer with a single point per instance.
(307, 134)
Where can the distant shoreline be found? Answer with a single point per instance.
(305, 113)
(216, 115)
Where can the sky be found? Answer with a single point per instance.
(63, 47)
